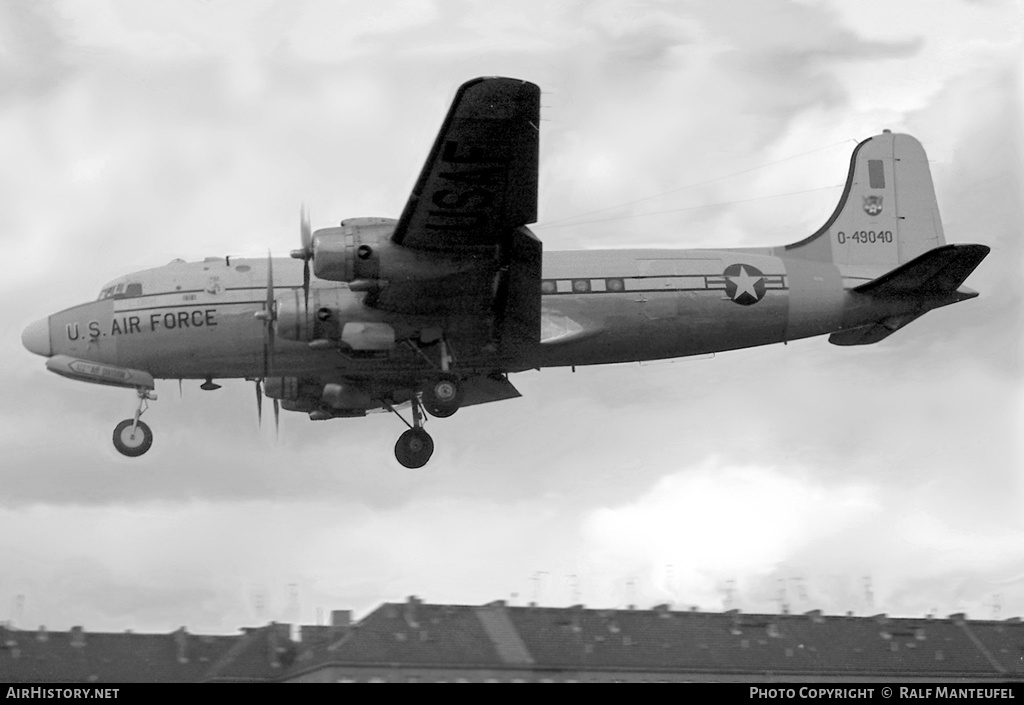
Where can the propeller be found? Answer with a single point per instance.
(305, 253)
(269, 317)
(259, 408)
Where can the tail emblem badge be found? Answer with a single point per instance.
(873, 205)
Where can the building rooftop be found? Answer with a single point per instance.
(418, 635)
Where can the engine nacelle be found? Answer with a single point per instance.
(362, 250)
(347, 396)
(297, 321)
(281, 387)
(332, 315)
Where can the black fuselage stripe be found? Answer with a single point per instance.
(191, 304)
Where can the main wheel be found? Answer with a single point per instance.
(129, 443)
(414, 448)
(443, 396)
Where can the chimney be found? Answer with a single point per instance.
(278, 636)
(77, 637)
(181, 644)
(410, 611)
(341, 618)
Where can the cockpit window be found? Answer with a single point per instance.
(121, 290)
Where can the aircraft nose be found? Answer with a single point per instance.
(36, 337)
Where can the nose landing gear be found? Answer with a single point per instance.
(132, 437)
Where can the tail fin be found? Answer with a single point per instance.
(887, 214)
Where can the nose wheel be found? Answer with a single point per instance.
(132, 437)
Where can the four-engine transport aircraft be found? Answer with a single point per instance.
(435, 309)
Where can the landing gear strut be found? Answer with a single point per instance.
(442, 395)
(132, 437)
(415, 446)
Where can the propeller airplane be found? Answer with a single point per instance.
(435, 310)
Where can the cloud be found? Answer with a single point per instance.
(713, 522)
(134, 134)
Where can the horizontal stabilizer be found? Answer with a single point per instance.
(866, 335)
(940, 271)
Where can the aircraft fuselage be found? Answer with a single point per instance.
(196, 320)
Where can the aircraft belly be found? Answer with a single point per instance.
(660, 325)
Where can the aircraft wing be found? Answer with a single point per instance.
(470, 205)
(480, 179)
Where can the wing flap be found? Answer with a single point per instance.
(481, 390)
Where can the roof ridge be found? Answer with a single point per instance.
(981, 647)
(503, 634)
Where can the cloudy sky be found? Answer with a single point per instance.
(885, 478)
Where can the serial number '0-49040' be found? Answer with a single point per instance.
(865, 237)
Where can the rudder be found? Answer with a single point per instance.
(887, 215)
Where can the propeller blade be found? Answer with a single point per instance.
(259, 403)
(277, 419)
(270, 318)
(306, 238)
(305, 233)
(305, 285)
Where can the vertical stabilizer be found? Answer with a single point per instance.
(887, 214)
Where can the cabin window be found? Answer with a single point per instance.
(614, 284)
(121, 290)
(548, 286)
(581, 286)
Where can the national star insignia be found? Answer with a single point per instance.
(745, 282)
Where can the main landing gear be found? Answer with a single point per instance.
(443, 396)
(132, 437)
(440, 397)
(415, 446)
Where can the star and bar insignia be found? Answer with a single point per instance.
(744, 284)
